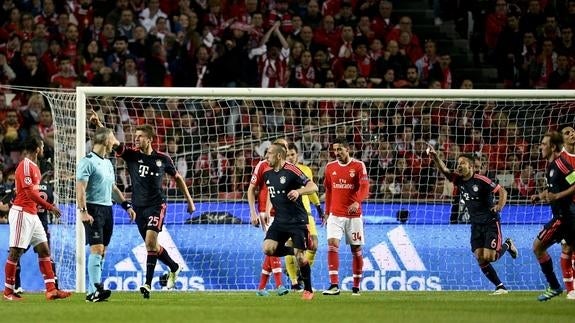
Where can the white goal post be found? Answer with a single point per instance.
(527, 110)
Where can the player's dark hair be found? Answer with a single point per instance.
(555, 138)
(292, 146)
(469, 157)
(31, 143)
(148, 130)
(101, 135)
(342, 141)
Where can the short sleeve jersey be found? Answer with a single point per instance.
(28, 177)
(279, 184)
(98, 172)
(147, 173)
(478, 194)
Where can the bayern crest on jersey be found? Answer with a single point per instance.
(282, 180)
(158, 163)
(475, 188)
(28, 180)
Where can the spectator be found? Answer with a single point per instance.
(34, 75)
(304, 74)
(466, 84)
(313, 16)
(565, 45)
(441, 71)
(407, 48)
(394, 59)
(542, 66)
(508, 50)
(425, 62)
(126, 25)
(272, 61)
(116, 59)
(561, 73)
(40, 39)
(364, 29)
(494, 24)
(280, 13)
(383, 23)
(405, 25)
(327, 35)
(113, 17)
(524, 185)
(309, 145)
(534, 19)
(7, 74)
(150, 14)
(345, 16)
(66, 76)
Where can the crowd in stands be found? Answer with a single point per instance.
(289, 43)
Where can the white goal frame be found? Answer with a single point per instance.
(82, 93)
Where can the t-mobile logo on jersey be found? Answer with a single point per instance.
(383, 271)
(143, 170)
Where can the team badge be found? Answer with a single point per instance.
(475, 188)
(28, 180)
(352, 173)
(159, 163)
(254, 178)
(282, 180)
(551, 172)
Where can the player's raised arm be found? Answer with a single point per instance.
(438, 162)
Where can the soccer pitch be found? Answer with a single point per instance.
(247, 307)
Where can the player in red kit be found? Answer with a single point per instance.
(271, 265)
(567, 257)
(346, 186)
(25, 226)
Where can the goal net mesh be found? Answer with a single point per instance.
(416, 237)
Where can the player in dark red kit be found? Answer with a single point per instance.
(286, 184)
(478, 194)
(559, 194)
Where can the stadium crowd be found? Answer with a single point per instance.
(288, 43)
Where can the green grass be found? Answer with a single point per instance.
(246, 307)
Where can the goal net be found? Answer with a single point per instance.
(417, 236)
